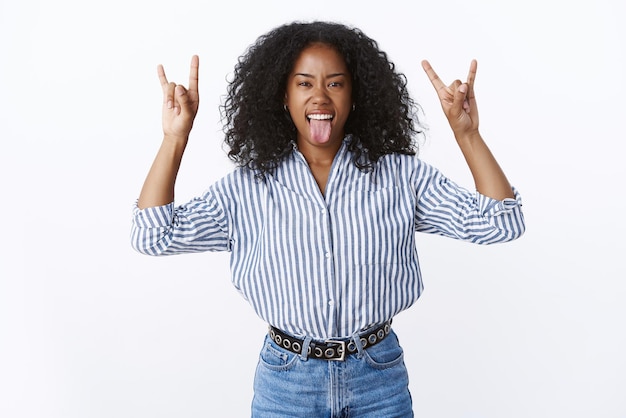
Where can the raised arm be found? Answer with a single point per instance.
(459, 105)
(180, 106)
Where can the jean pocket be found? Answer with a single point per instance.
(384, 355)
(276, 358)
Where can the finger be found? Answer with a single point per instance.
(471, 76)
(182, 100)
(162, 77)
(454, 85)
(168, 95)
(454, 89)
(459, 102)
(193, 74)
(471, 98)
(432, 76)
(167, 87)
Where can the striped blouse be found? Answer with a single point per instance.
(327, 266)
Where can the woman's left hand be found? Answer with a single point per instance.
(457, 100)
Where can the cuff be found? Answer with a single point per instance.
(493, 207)
(153, 217)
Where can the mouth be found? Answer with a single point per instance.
(319, 116)
(320, 126)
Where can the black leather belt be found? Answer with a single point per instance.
(330, 349)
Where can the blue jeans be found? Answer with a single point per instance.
(371, 383)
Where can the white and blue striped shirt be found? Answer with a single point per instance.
(327, 266)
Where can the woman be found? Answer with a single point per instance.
(320, 215)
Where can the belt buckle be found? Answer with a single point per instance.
(339, 352)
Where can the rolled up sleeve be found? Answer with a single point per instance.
(444, 208)
(197, 226)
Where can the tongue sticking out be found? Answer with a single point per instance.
(320, 130)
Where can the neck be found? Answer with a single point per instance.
(319, 155)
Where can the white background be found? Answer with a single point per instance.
(90, 328)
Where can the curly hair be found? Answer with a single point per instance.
(260, 133)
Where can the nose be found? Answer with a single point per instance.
(319, 95)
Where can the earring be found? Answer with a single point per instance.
(353, 106)
(285, 107)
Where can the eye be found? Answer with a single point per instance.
(335, 84)
(304, 84)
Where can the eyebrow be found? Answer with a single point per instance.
(312, 76)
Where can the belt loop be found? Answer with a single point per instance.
(306, 344)
(357, 342)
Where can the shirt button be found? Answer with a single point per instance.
(327, 255)
(331, 302)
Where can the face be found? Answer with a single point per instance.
(319, 97)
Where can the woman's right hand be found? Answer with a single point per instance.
(180, 105)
